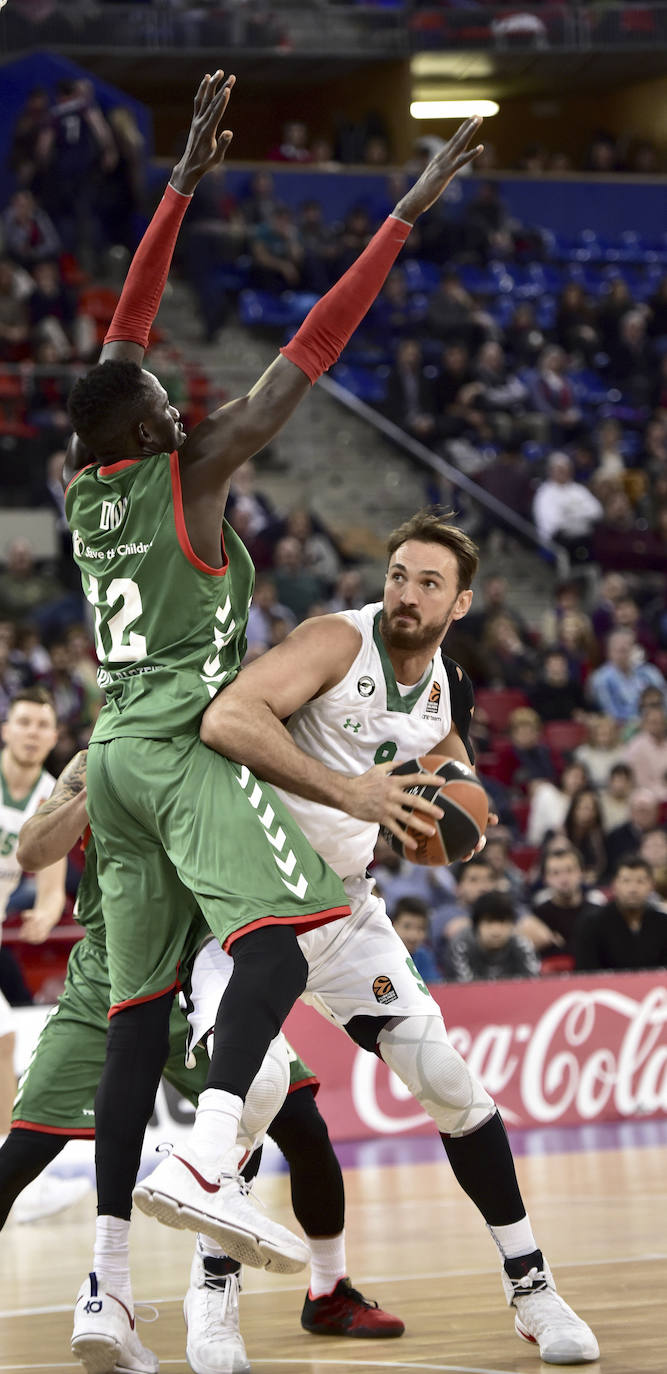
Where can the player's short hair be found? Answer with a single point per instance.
(433, 526)
(36, 696)
(493, 906)
(107, 402)
(412, 905)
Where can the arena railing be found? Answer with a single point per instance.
(424, 457)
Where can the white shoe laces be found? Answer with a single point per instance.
(216, 1312)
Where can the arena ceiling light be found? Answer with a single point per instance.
(452, 109)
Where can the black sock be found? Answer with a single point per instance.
(137, 1050)
(23, 1157)
(318, 1196)
(269, 974)
(483, 1164)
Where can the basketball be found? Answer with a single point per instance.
(465, 808)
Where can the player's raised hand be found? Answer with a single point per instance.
(207, 143)
(380, 796)
(433, 180)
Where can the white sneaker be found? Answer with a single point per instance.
(104, 1338)
(211, 1311)
(179, 1194)
(544, 1319)
(47, 1195)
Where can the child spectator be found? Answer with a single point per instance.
(410, 919)
(491, 948)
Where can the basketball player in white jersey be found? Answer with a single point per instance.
(359, 689)
(28, 735)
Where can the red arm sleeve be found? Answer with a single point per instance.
(149, 269)
(319, 342)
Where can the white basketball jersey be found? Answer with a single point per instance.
(12, 815)
(367, 718)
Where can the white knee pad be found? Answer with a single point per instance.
(266, 1095)
(419, 1052)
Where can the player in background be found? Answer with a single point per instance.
(28, 735)
(365, 686)
(56, 1097)
(170, 602)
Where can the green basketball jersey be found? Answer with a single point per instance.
(169, 630)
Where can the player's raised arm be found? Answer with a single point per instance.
(232, 434)
(244, 722)
(129, 331)
(48, 836)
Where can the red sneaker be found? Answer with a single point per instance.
(346, 1312)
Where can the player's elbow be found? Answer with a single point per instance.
(28, 854)
(220, 728)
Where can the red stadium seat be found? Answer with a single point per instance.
(521, 809)
(525, 856)
(562, 736)
(499, 702)
(557, 963)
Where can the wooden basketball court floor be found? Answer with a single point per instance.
(415, 1243)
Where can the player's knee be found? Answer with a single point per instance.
(419, 1052)
(266, 1094)
(299, 1128)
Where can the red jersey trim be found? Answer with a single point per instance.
(135, 1001)
(181, 530)
(109, 468)
(82, 1133)
(313, 1083)
(303, 923)
(72, 480)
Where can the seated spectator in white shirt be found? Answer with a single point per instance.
(647, 751)
(563, 508)
(602, 749)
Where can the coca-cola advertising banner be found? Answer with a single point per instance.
(553, 1051)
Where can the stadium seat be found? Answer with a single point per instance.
(499, 702)
(562, 736)
(525, 856)
(556, 963)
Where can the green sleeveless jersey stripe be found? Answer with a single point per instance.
(169, 630)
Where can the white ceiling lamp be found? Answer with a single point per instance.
(452, 109)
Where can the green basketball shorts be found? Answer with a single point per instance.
(180, 828)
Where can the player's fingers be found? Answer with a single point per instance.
(468, 156)
(401, 834)
(221, 99)
(464, 133)
(199, 98)
(423, 826)
(427, 808)
(419, 779)
(493, 819)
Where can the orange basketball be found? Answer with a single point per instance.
(464, 805)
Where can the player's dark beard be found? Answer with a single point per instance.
(419, 637)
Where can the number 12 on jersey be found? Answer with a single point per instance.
(126, 645)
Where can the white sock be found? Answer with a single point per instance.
(327, 1263)
(514, 1240)
(206, 1245)
(111, 1257)
(216, 1125)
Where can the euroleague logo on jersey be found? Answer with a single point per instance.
(384, 990)
(433, 703)
(365, 686)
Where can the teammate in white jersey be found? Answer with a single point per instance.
(358, 690)
(28, 735)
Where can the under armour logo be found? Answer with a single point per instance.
(351, 724)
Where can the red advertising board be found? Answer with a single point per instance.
(553, 1051)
